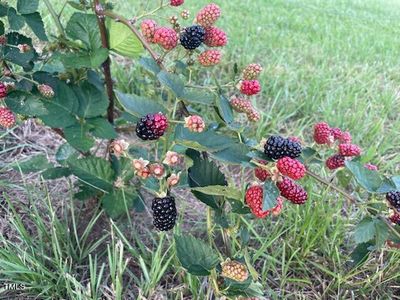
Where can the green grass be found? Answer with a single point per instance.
(333, 60)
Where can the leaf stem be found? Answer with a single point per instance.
(55, 17)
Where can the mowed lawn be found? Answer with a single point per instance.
(334, 60)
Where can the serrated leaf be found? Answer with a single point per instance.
(194, 255)
(270, 194)
(101, 128)
(368, 179)
(36, 163)
(139, 106)
(150, 65)
(25, 104)
(84, 27)
(119, 202)
(220, 190)
(92, 102)
(78, 137)
(65, 152)
(55, 173)
(12, 53)
(360, 254)
(198, 96)
(225, 109)
(204, 172)
(35, 22)
(122, 40)
(234, 154)
(84, 59)
(94, 171)
(15, 20)
(173, 82)
(27, 6)
(365, 230)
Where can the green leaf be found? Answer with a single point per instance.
(78, 137)
(13, 54)
(360, 254)
(84, 27)
(55, 173)
(122, 40)
(381, 232)
(150, 65)
(92, 59)
(2, 28)
(220, 190)
(64, 152)
(25, 104)
(203, 141)
(36, 163)
(204, 172)
(94, 171)
(101, 128)
(368, 179)
(27, 6)
(365, 230)
(35, 22)
(225, 109)
(198, 96)
(139, 106)
(15, 20)
(86, 192)
(235, 154)
(3, 9)
(119, 202)
(173, 82)
(271, 194)
(92, 102)
(396, 181)
(194, 255)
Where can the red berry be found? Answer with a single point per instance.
(3, 40)
(349, 150)
(250, 87)
(292, 191)
(291, 168)
(345, 138)
(152, 126)
(176, 2)
(335, 162)
(7, 118)
(295, 139)
(215, 37)
(322, 133)
(46, 91)
(148, 28)
(3, 90)
(371, 167)
(253, 115)
(241, 105)
(252, 71)
(336, 133)
(210, 58)
(395, 218)
(208, 15)
(166, 38)
(261, 173)
(254, 199)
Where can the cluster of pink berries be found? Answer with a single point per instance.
(249, 85)
(7, 118)
(325, 135)
(203, 33)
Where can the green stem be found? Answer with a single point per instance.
(54, 15)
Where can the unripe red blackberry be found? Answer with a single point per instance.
(192, 37)
(46, 91)
(151, 126)
(335, 161)
(323, 133)
(166, 38)
(253, 115)
(393, 198)
(176, 2)
(210, 58)
(261, 173)
(195, 123)
(254, 199)
(208, 15)
(277, 147)
(215, 37)
(349, 150)
(292, 191)
(345, 138)
(241, 105)
(336, 133)
(250, 87)
(148, 28)
(395, 218)
(234, 270)
(7, 118)
(252, 72)
(164, 213)
(3, 90)
(291, 168)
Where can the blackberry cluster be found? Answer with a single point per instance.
(277, 147)
(164, 213)
(192, 37)
(151, 126)
(394, 199)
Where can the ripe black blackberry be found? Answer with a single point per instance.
(192, 37)
(278, 147)
(164, 213)
(151, 126)
(393, 198)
